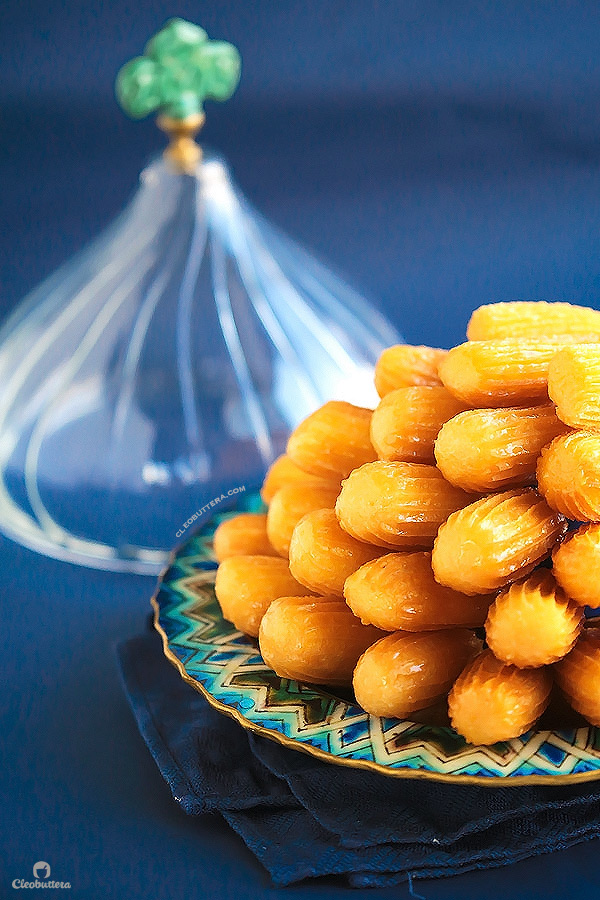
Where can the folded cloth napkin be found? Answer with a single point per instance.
(302, 817)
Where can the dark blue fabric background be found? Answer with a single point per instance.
(441, 155)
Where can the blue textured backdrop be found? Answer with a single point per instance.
(441, 155)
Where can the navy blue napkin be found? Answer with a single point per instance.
(303, 818)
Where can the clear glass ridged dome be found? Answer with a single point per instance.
(165, 365)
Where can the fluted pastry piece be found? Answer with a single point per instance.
(247, 585)
(243, 535)
(289, 504)
(398, 592)
(496, 540)
(333, 440)
(533, 622)
(404, 365)
(576, 565)
(316, 640)
(537, 320)
(283, 471)
(574, 385)
(494, 449)
(499, 373)
(492, 701)
(397, 504)
(405, 672)
(406, 423)
(323, 555)
(578, 675)
(568, 474)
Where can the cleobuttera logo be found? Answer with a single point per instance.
(41, 879)
(41, 870)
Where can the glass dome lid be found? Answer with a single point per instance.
(164, 366)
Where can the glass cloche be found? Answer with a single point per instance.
(165, 365)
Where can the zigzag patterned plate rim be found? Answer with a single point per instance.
(226, 668)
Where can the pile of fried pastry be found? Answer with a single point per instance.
(445, 544)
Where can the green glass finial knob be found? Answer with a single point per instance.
(180, 69)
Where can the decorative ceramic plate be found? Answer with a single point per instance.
(225, 665)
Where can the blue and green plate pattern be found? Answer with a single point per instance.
(226, 666)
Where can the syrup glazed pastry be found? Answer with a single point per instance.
(494, 541)
(398, 592)
(538, 320)
(574, 385)
(322, 555)
(244, 535)
(397, 504)
(247, 585)
(568, 473)
(283, 471)
(287, 507)
(578, 675)
(333, 440)
(576, 565)
(492, 701)
(494, 449)
(499, 373)
(533, 623)
(404, 672)
(403, 366)
(406, 423)
(313, 639)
